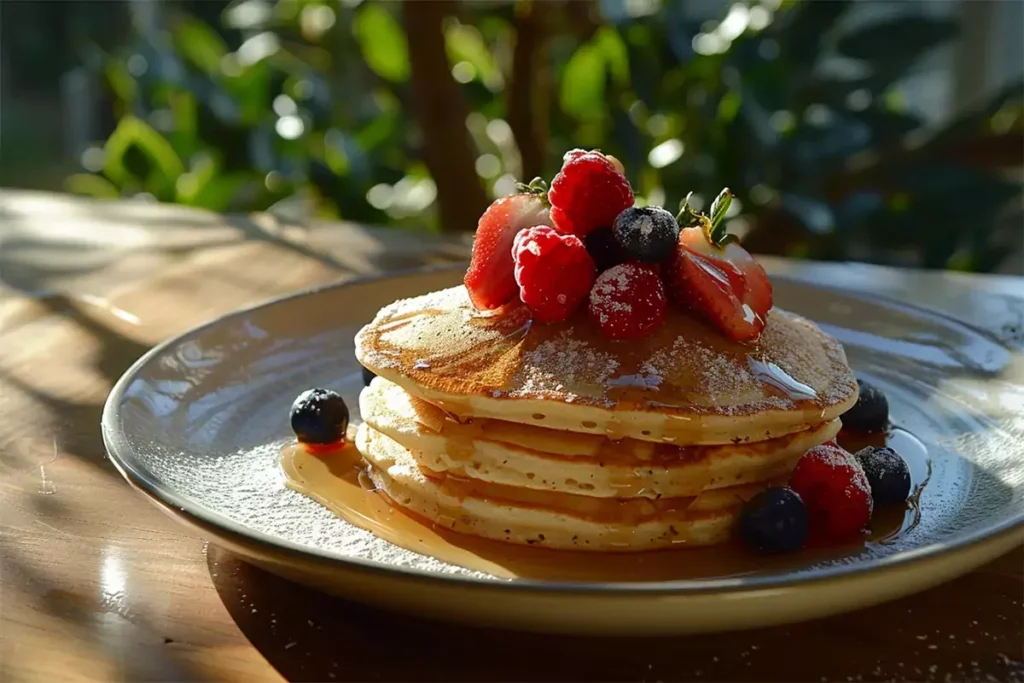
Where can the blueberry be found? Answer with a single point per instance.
(319, 416)
(774, 521)
(887, 474)
(367, 377)
(604, 249)
(870, 413)
(647, 233)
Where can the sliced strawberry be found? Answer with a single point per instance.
(491, 279)
(718, 278)
(725, 284)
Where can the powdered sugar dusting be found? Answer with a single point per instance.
(833, 456)
(564, 364)
(646, 226)
(607, 294)
(836, 457)
(628, 302)
(685, 366)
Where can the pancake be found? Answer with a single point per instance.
(533, 457)
(686, 384)
(546, 519)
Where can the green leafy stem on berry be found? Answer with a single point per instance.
(537, 187)
(714, 226)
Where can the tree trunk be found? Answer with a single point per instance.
(441, 110)
(527, 107)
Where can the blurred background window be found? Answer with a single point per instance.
(889, 132)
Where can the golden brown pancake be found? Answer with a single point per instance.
(547, 519)
(686, 384)
(532, 457)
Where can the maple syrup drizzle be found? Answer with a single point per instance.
(780, 379)
(494, 347)
(338, 481)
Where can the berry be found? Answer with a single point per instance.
(604, 249)
(367, 376)
(616, 163)
(887, 473)
(871, 411)
(648, 233)
(588, 193)
(835, 490)
(722, 283)
(554, 272)
(490, 280)
(628, 301)
(774, 521)
(319, 417)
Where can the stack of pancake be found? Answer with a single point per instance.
(553, 436)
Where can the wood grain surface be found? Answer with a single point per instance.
(97, 584)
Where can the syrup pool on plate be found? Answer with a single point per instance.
(337, 480)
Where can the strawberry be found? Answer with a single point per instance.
(588, 193)
(490, 279)
(713, 275)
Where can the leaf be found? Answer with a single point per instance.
(382, 42)
(687, 216)
(121, 81)
(90, 185)
(249, 92)
(583, 83)
(203, 169)
(616, 57)
(719, 208)
(379, 131)
(133, 132)
(973, 121)
(466, 44)
(335, 152)
(199, 44)
(899, 39)
(183, 109)
(217, 193)
(729, 106)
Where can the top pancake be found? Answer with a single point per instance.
(687, 383)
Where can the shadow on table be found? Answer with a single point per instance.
(970, 634)
(49, 417)
(50, 239)
(73, 422)
(101, 623)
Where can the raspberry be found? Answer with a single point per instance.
(588, 193)
(554, 272)
(628, 301)
(835, 489)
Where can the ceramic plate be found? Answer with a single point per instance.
(197, 425)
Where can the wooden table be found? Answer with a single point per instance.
(97, 584)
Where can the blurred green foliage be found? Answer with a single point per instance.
(307, 105)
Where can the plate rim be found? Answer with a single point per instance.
(120, 452)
